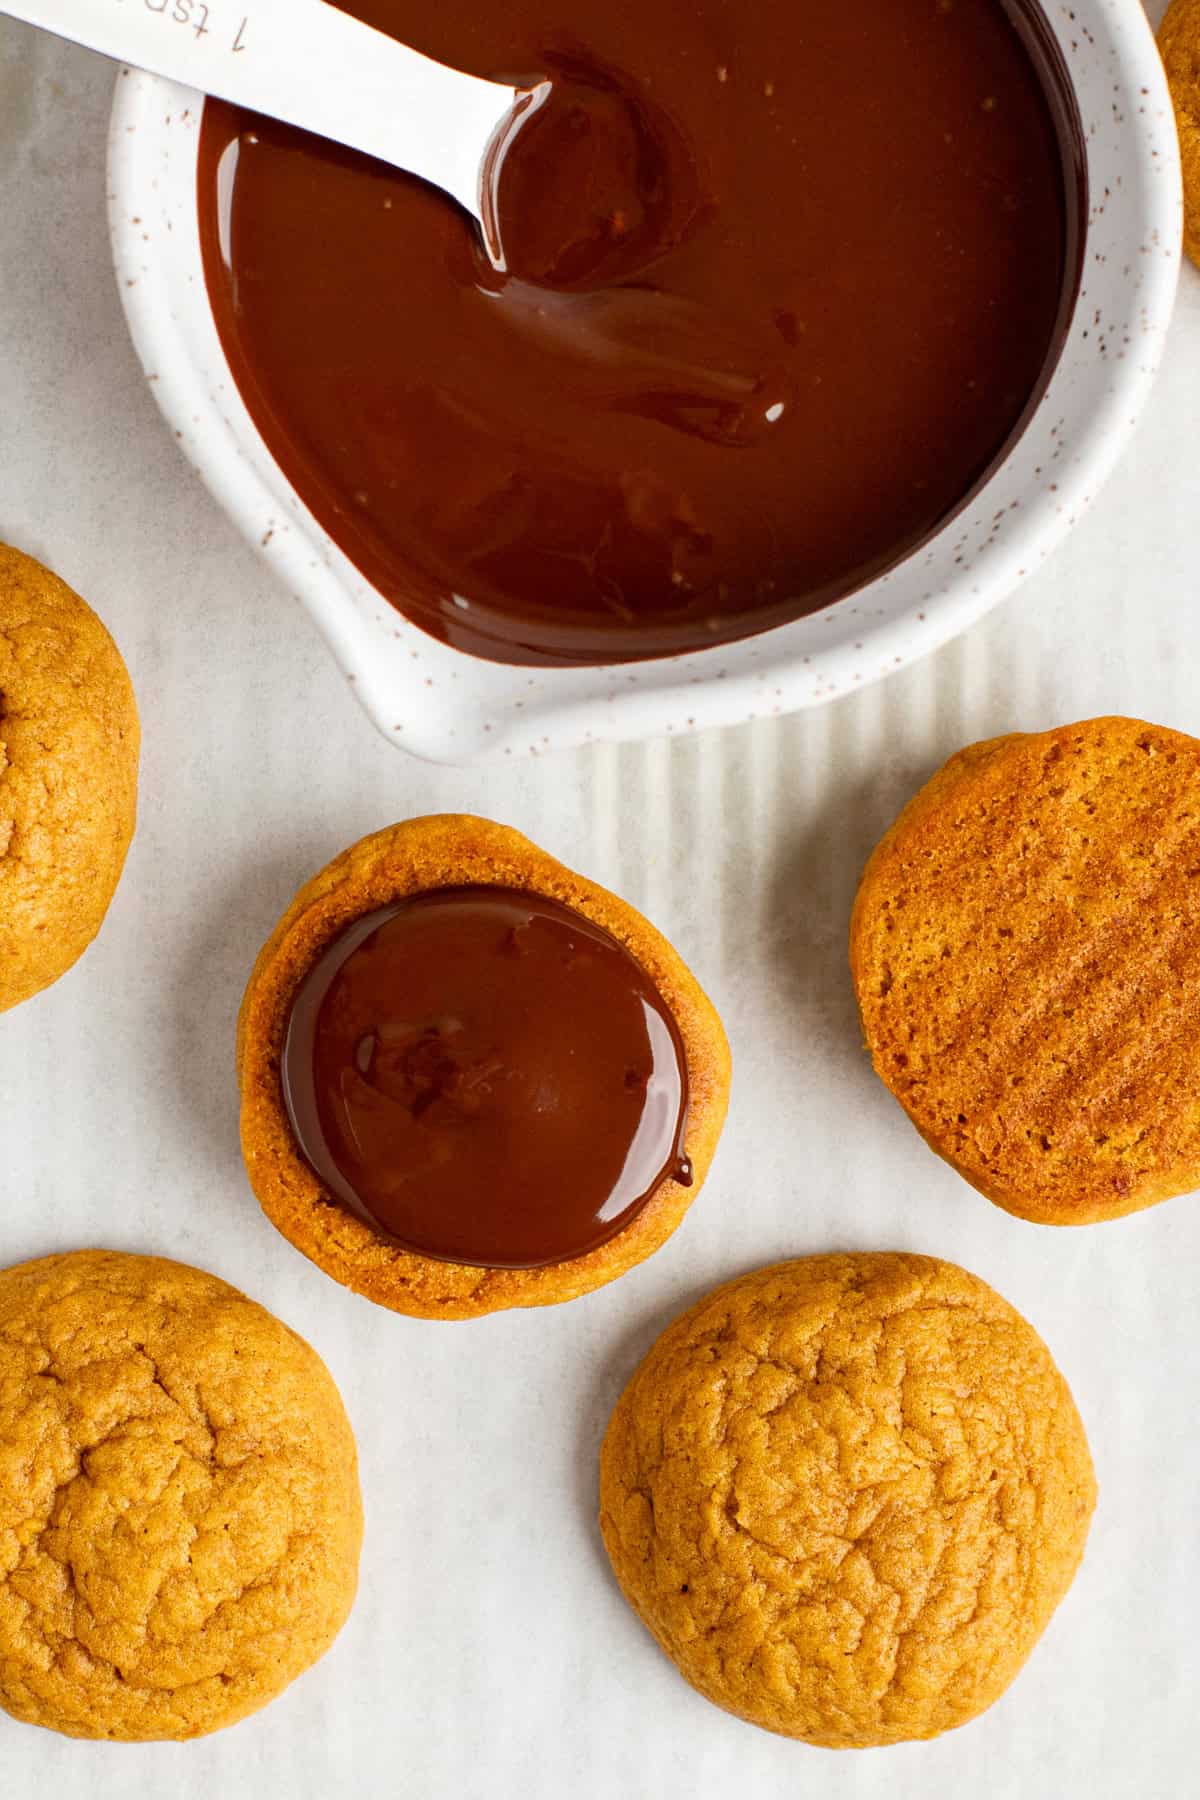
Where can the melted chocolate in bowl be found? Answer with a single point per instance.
(782, 282)
(486, 1076)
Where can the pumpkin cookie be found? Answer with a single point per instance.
(179, 1511)
(68, 775)
(1025, 946)
(846, 1494)
(471, 1079)
(1179, 43)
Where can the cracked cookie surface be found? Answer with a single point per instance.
(846, 1494)
(1179, 45)
(68, 775)
(180, 1518)
(1025, 948)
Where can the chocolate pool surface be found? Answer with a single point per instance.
(487, 1076)
(782, 282)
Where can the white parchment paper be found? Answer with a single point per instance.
(490, 1656)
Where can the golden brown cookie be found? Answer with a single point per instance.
(68, 775)
(179, 1511)
(846, 1494)
(1025, 946)
(1179, 43)
(416, 858)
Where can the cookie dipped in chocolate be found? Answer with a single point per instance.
(487, 1076)
(781, 283)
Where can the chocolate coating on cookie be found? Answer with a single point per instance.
(488, 1076)
(422, 857)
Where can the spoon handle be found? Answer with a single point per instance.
(306, 63)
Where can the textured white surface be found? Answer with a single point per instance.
(490, 1656)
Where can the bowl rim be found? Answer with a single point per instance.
(447, 706)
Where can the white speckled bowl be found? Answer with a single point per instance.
(450, 707)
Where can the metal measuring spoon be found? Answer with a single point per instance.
(310, 65)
